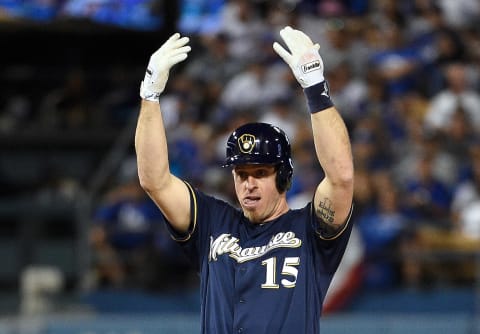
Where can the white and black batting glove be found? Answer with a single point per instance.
(173, 51)
(303, 58)
(307, 66)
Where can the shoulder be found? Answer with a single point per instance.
(203, 202)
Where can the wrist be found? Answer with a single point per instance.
(148, 94)
(318, 97)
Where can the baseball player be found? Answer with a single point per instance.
(264, 268)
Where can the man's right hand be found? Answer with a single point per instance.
(173, 51)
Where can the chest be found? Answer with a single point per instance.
(271, 259)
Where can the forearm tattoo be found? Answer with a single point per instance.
(325, 211)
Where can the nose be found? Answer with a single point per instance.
(251, 182)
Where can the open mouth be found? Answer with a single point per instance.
(250, 201)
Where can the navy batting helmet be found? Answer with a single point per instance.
(261, 143)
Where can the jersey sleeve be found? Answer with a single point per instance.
(324, 231)
(207, 214)
(331, 245)
(183, 237)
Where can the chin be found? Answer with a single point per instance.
(252, 217)
(249, 215)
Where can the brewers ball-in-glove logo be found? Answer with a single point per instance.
(246, 142)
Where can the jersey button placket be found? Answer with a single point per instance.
(240, 301)
(242, 272)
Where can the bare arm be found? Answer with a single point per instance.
(169, 193)
(333, 197)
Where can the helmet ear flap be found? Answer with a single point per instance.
(283, 179)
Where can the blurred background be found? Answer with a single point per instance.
(83, 249)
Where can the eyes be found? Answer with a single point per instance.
(258, 173)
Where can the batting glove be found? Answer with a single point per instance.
(303, 58)
(173, 51)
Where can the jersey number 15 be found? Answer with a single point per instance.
(288, 269)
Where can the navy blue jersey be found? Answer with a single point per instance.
(260, 278)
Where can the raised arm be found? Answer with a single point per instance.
(333, 197)
(167, 191)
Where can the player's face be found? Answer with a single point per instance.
(257, 192)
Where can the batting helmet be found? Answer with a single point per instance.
(262, 143)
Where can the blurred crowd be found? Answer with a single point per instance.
(405, 75)
(138, 14)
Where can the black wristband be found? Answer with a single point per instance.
(318, 97)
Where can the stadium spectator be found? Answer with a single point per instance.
(69, 106)
(131, 249)
(242, 24)
(349, 91)
(427, 197)
(466, 198)
(383, 227)
(122, 235)
(255, 88)
(459, 239)
(395, 61)
(457, 93)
